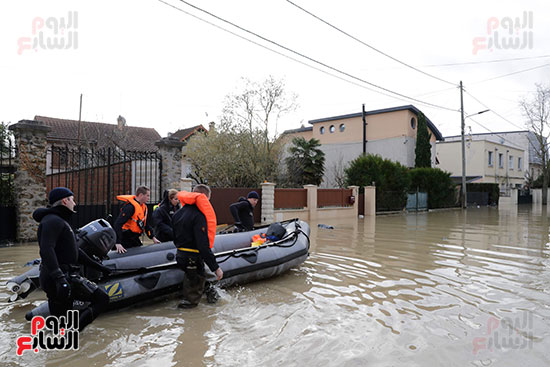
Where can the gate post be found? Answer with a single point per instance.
(30, 175)
(370, 201)
(170, 151)
(268, 202)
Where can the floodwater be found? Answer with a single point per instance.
(446, 288)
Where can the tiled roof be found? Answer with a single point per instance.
(184, 134)
(101, 135)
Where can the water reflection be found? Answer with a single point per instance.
(418, 289)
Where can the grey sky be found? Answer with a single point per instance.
(162, 68)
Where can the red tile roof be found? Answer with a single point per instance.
(184, 134)
(101, 135)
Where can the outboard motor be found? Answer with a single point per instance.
(96, 238)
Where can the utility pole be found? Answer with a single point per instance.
(464, 202)
(364, 131)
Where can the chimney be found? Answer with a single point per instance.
(211, 126)
(121, 121)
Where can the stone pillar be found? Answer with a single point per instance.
(170, 151)
(355, 194)
(268, 202)
(186, 184)
(311, 201)
(370, 201)
(30, 176)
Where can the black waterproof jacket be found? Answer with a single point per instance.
(191, 232)
(57, 242)
(243, 213)
(162, 218)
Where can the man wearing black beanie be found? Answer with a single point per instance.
(59, 270)
(243, 211)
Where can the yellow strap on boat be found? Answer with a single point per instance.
(188, 249)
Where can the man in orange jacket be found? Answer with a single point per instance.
(132, 220)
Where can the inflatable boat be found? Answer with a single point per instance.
(150, 271)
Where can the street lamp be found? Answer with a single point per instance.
(464, 200)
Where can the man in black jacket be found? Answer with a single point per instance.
(191, 239)
(162, 216)
(243, 211)
(59, 269)
(132, 220)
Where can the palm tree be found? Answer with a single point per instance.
(306, 165)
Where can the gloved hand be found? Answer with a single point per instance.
(62, 286)
(239, 227)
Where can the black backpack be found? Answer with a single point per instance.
(275, 231)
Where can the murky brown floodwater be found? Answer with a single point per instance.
(410, 290)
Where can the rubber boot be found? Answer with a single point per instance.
(212, 295)
(193, 287)
(86, 316)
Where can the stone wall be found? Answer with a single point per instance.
(30, 177)
(170, 150)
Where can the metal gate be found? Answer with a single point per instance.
(417, 201)
(7, 189)
(97, 176)
(525, 197)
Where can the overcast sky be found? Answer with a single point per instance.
(160, 67)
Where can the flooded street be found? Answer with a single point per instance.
(448, 288)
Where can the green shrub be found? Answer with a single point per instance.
(437, 183)
(391, 180)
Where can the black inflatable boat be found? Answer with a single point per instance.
(146, 272)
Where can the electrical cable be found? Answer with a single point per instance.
(301, 55)
(369, 46)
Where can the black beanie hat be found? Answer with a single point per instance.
(253, 195)
(59, 193)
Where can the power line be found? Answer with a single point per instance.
(305, 56)
(486, 62)
(513, 73)
(369, 46)
(282, 54)
(493, 111)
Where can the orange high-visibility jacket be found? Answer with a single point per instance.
(140, 214)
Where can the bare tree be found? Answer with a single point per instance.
(536, 109)
(338, 172)
(243, 150)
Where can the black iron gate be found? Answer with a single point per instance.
(524, 196)
(7, 189)
(97, 176)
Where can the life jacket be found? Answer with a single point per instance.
(204, 205)
(138, 220)
(258, 239)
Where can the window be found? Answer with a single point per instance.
(332, 129)
(490, 159)
(519, 164)
(500, 161)
(322, 130)
(511, 162)
(342, 128)
(413, 122)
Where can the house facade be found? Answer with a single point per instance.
(390, 133)
(486, 162)
(184, 135)
(524, 139)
